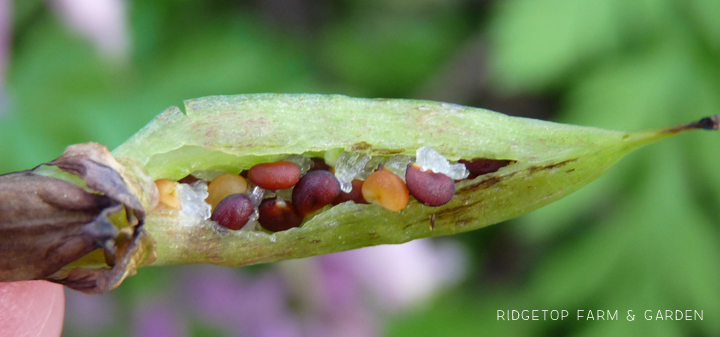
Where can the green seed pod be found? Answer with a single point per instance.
(233, 133)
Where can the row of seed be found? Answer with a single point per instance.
(318, 188)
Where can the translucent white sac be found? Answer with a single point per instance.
(256, 196)
(398, 165)
(269, 194)
(305, 163)
(371, 166)
(207, 175)
(430, 160)
(348, 167)
(192, 199)
(252, 223)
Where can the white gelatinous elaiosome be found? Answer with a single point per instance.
(192, 199)
(371, 166)
(348, 167)
(430, 160)
(252, 223)
(303, 162)
(398, 165)
(256, 196)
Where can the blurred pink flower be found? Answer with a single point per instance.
(247, 306)
(402, 276)
(158, 318)
(5, 36)
(344, 294)
(5, 40)
(90, 314)
(104, 22)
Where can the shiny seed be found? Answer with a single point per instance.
(386, 189)
(319, 165)
(480, 166)
(223, 186)
(233, 212)
(189, 179)
(275, 176)
(355, 194)
(428, 187)
(315, 190)
(278, 215)
(168, 193)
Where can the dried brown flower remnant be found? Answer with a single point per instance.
(47, 223)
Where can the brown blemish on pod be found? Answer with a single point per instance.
(275, 176)
(534, 169)
(315, 190)
(428, 187)
(224, 186)
(168, 193)
(360, 146)
(233, 212)
(386, 189)
(366, 147)
(278, 215)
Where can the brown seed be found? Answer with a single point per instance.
(428, 187)
(480, 166)
(275, 176)
(315, 190)
(278, 215)
(319, 165)
(168, 193)
(223, 186)
(189, 179)
(386, 189)
(355, 194)
(233, 212)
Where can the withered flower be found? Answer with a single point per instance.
(87, 237)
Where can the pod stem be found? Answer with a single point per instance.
(642, 138)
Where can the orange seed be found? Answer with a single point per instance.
(168, 193)
(224, 186)
(386, 189)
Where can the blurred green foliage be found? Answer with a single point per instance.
(643, 237)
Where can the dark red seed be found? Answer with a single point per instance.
(319, 165)
(233, 212)
(315, 190)
(275, 176)
(355, 194)
(480, 166)
(189, 179)
(278, 215)
(430, 188)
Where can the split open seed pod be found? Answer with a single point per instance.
(233, 133)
